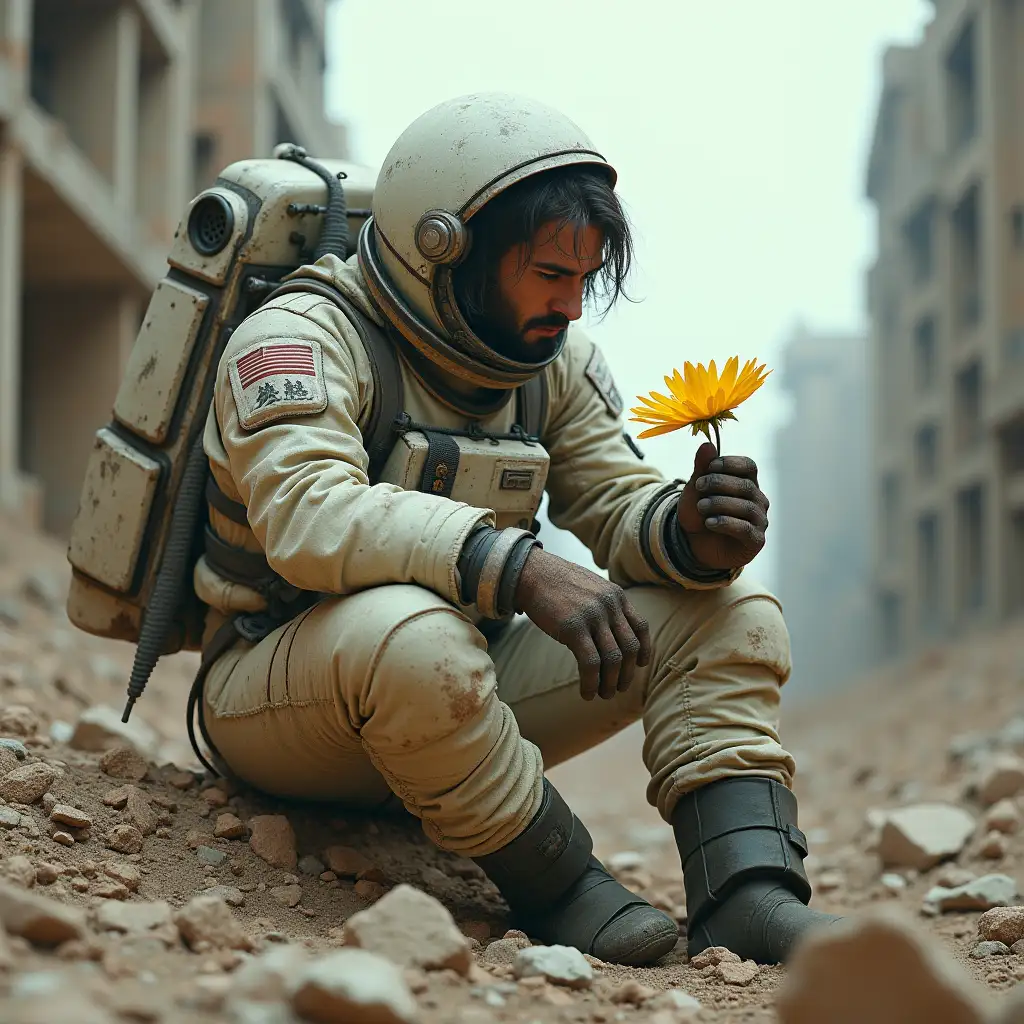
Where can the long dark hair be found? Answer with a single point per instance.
(578, 195)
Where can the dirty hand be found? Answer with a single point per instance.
(590, 616)
(722, 511)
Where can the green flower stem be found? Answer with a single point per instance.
(718, 438)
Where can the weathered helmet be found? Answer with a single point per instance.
(443, 169)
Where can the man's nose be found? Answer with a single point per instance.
(570, 303)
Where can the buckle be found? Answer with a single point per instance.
(797, 838)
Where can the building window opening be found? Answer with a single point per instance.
(969, 424)
(971, 537)
(962, 89)
(925, 355)
(967, 258)
(926, 452)
(929, 568)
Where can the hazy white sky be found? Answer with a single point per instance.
(740, 131)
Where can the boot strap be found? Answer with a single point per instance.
(734, 830)
(539, 865)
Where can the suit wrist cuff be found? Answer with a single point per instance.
(489, 567)
(668, 550)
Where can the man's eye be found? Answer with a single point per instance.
(546, 275)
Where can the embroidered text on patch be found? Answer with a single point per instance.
(600, 375)
(277, 379)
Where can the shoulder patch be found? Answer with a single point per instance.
(600, 375)
(275, 379)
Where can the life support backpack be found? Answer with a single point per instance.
(140, 525)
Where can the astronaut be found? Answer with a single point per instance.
(441, 656)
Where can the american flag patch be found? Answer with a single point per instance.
(277, 379)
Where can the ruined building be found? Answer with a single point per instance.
(947, 308)
(821, 511)
(113, 113)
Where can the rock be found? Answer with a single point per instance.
(138, 811)
(100, 728)
(504, 951)
(68, 815)
(310, 865)
(348, 863)
(109, 890)
(124, 839)
(625, 860)
(1003, 777)
(15, 747)
(273, 840)
(737, 974)
(9, 817)
(287, 895)
(64, 838)
(208, 855)
(19, 870)
(369, 891)
(829, 881)
(61, 732)
(413, 929)
(214, 796)
(922, 835)
(123, 762)
(479, 930)
(353, 986)
(987, 949)
(1002, 924)
(995, 846)
(1003, 816)
(712, 957)
(27, 784)
(137, 919)
(46, 873)
(266, 978)
(675, 999)
(43, 921)
(950, 876)
(207, 922)
(979, 894)
(10, 611)
(116, 798)
(561, 965)
(18, 720)
(881, 968)
(229, 826)
(127, 874)
(632, 993)
(44, 588)
(228, 893)
(893, 882)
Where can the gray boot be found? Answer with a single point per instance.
(560, 893)
(742, 857)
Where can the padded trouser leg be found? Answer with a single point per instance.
(561, 894)
(742, 857)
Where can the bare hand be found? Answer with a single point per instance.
(722, 511)
(590, 616)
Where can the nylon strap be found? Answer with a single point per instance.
(388, 392)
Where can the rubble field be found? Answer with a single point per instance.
(134, 887)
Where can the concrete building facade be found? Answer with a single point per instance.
(113, 113)
(945, 294)
(821, 508)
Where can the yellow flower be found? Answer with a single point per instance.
(699, 399)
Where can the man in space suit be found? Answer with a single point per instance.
(410, 676)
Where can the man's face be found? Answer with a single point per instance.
(537, 295)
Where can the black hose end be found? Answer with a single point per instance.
(128, 708)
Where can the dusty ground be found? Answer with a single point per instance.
(884, 744)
